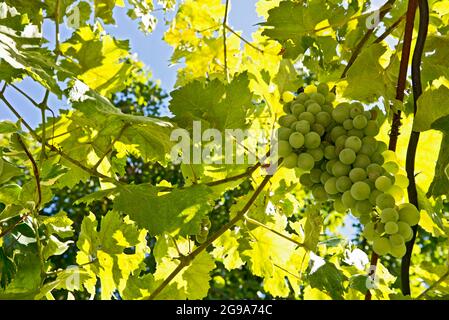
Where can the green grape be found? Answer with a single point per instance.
(286, 107)
(305, 161)
(290, 161)
(200, 238)
(314, 108)
(319, 193)
(359, 122)
(330, 97)
(343, 183)
(318, 128)
(383, 183)
(370, 183)
(308, 116)
(391, 227)
(389, 214)
(353, 143)
(376, 157)
(365, 218)
(398, 251)
(357, 174)
(391, 167)
(348, 200)
(408, 213)
(316, 153)
(336, 132)
(296, 140)
(287, 120)
(315, 175)
(327, 107)
(381, 146)
(330, 165)
(369, 146)
(284, 133)
(323, 89)
(293, 126)
(303, 126)
(361, 161)
(340, 113)
(380, 228)
(329, 152)
(381, 246)
(384, 201)
(401, 181)
(297, 108)
(302, 97)
(312, 140)
(340, 143)
(318, 97)
(360, 190)
(284, 148)
(369, 232)
(340, 169)
(338, 206)
(405, 230)
(330, 186)
(323, 118)
(305, 180)
(347, 156)
(374, 171)
(396, 240)
(324, 177)
(396, 192)
(309, 102)
(371, 129)
(363, 207)
(355, 111)
(347, 124)
(373, 196)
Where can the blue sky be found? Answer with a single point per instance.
(151, 49)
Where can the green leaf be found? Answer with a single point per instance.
(328, 279)
(8, 127)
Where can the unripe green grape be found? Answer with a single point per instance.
(365, 218)
(396, 192)
(319, 193)
(360, 122)
(330, 186)
(361, 161)
(293, 126)
(343, 183)
(312, 140)
(284, 148)
(371, 129)
(357, 174)
(391, 167)
(309, 102)
(383, 183)
(296, 140)
(356, 132)
(330, 165)
(409, 214)
(391, 227)
(347, 156)
(297, 108)
(368, 114)
(355, 111)
(348, 200)
(308, 116)
(310, 89)
(384, 201)
(324, 177)
(286, 107)
(338, 206)
(323, 89)
(329, 152)
(337, 132)
(318, 97)
(347, 124)
(373, 196)
(370, 183)
(200, 238)
(316, 153)
(360, 190)
(363, 207)
(376, 157)
(340, 113)
(318, 128)
(314, 108)
(340, 169)
(374, 171)
(305, 180)
(405, 230)
(290, 161)
(396, 240)
(315, 175)
(305, 161)
(380, 228)
(368, 147)
(323, 118)
(330, 97)
(284, 133)
(369, 231)
(389, 214)
(381, 246)
(398, 251)
(303, 126)
(353, 143)
(389, 155)
(401, 181)
(302, 97)
(381, 146)
(287, 120)
(340, 143)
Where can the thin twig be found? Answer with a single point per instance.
(111, 146)
(225, 21)
(12, 227)
(243, 39)
(433, 285)
(43, 105)
(390, 29)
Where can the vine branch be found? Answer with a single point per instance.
(225, 53)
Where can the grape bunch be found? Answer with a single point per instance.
(204, 230)
(339, 158)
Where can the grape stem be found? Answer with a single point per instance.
(400, 93)
(414, 137)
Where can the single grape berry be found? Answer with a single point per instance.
(290, 161)
(305, 161)
(296, 140)
(360, 190)
(360, 122)
(312, 140)
(389, 214)
(391, 227)
(347, 156)
(381, 246)
(284, 148)
(408, 213)
(353, 143)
